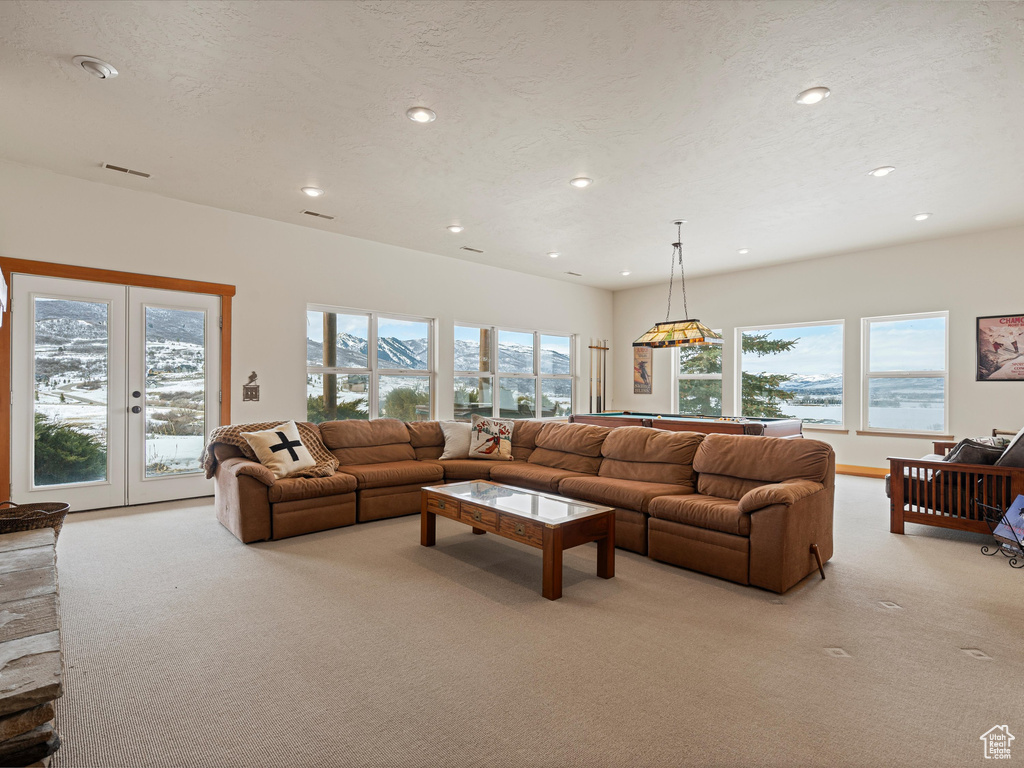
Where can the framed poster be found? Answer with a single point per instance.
(1001, 348)
(642, 357)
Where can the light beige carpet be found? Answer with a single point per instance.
(358, 647)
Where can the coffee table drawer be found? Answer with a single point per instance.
(526, 531)
(480, 517)
(446, 507)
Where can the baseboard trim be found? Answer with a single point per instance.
(852, 469)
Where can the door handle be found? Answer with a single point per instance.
(136, 409)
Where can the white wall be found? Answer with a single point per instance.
(278, 268)
(970, 276)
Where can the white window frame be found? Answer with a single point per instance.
(496, 374)
(866, 375)
(372, 371)
(680, 377)
(738, 357)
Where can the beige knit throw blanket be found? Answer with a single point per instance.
(326, 462)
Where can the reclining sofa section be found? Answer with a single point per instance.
(743, 508)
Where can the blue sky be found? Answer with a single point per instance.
(819, 350)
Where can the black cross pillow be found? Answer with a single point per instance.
(280, 449)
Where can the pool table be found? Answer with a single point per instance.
(729, 425)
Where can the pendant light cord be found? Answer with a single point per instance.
(677, 249)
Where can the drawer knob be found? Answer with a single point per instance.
(440, 505)
(520, 529)
(476, 516)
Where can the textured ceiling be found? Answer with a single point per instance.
(675, 109)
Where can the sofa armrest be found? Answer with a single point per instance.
(238, 466)
(786, 493)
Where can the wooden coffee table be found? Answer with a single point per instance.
(542, 520)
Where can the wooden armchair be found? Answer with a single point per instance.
(930, 491)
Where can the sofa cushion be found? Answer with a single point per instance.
(974, 452)
(616, 492)
(490, 439)
(464, 469)
(391, 473)
(768, 459)
(368, 442)
(649, 455)
(572, 447)
(426, 439)
(787, 493)
(709, 512)
(1013, 456)
(534, 476)
(524, 437)
(298, 488)
(457, 438)
(725, 487)
(280, 449)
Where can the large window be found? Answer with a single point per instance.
(699, 374)
(792, 371)
(362, 365)
(905, 373)
(507, 373)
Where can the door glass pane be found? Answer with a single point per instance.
(333, 396)
(915, 344)
(472, 348)
(472, 395)
(175, 396)
(914, 405)
(349, 334)
(517, 397)
(403, 344)
(554, 354)
(70, 400)
(404, 397)
(556, 397)
(515, 352)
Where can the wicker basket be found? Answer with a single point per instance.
(30, 517)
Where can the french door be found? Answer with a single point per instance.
(114, 389)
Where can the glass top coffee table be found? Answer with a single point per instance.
(542, 520)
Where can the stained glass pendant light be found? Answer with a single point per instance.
(678, 333)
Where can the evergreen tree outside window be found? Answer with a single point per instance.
(699, 379)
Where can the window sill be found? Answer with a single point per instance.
(912, 435)
(826, 428)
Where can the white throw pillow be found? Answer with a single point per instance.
(456, 439)
(280, 449)
(491, 439)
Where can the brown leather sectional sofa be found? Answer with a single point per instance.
(743, 508)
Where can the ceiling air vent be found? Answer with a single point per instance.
(471, 250)
(574, 274)
(318, 215)
(129, 171)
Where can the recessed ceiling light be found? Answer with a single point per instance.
(813, 95)
(554, 255)
(313, 191)
(421, 115)
(743, 250)
(581, 181)
(922, 216)
(455, 229)
(96, 67)
(625, 273)
(885, 170)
